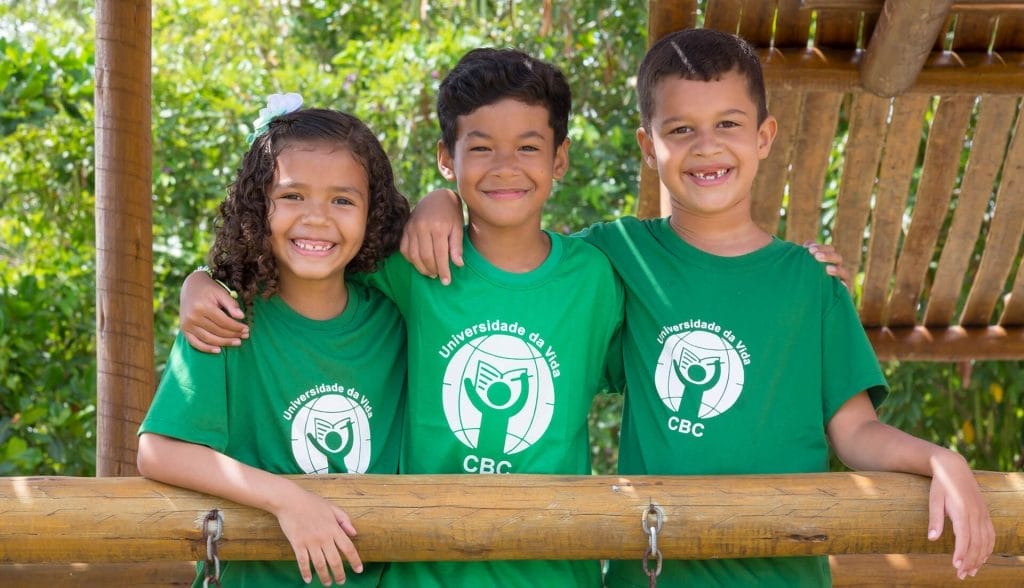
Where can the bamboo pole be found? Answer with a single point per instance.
(948, 343)
(460, 517)
(124, 234)
(863, 571)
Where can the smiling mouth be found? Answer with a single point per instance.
(505, 193)
(313, 246)
(709, 176)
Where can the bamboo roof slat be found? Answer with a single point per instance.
(898, 159)
(837, 29)
(666, 16)
(988, 148)
(770, 185)
(1013, 311)
(1004, 236)
(810, 165)
(934, 191)
(756, 22)
(792, 25)
(900, 44)
(1010, 32)
(973, 31)
(723, 15)
(860, 168)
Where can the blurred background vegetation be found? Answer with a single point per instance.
(214, 63)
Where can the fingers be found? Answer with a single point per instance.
(198, 344)
(455, 245)
(444, 270)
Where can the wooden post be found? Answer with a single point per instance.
(457, 518)
(124, 236)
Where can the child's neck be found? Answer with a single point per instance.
(314, 299)
(516, 251)
(724, 237)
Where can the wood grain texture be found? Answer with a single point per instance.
(456, 517)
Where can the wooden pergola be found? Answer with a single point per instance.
(895, 70)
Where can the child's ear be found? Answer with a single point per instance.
(561, 159)
(766, 136)
(444, 162)
(643, 138)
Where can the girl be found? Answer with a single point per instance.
(315, 390)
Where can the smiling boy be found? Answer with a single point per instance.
(740, 355)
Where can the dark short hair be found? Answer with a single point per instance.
(485, 76)
(702, 55)
(241, 255)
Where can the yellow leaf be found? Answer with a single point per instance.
(996, 389)
(968, 432)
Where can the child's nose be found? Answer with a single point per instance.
(707, 143)
(505, 162)
(314, 212)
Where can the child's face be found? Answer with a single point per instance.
(504, 162)
(319, 199)
(705, 142)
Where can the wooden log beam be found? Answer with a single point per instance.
(124, 232)
(968, 6)
(921, 570)
(946, 74)
(872, 570)
(456, 517)
(900, 45)
(948, 344)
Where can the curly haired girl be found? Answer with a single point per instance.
(320, 385)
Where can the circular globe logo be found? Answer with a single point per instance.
(699, 374)
(331, 434)
(498, 394)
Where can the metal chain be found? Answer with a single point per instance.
(213, 526)
(652, 551)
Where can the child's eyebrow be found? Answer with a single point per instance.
(683, 118)
(531, 134)
(295, 184)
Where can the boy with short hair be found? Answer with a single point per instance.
(503, 365)
(739, 355)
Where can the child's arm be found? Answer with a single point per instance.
(434, 232)
(865, 443)
(210, 318)
(318, 531)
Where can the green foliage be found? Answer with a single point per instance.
(213, 65)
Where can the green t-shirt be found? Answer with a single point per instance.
(503, 370)
(732, 365)
(300, 396)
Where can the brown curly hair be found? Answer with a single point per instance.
(241, 255)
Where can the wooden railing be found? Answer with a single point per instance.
(468, 517)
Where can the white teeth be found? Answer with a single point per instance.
(711, 176)
(307, 246)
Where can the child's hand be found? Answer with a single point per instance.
(320, 534)
(206, 313)
(954, 493)
(828, 255)
(433, 232)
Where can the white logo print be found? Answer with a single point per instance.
(498, 394)
(699, 374)
(331, 434)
